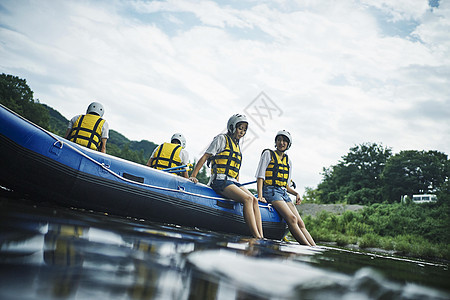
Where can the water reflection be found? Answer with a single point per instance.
(56, 253)
(64, 258)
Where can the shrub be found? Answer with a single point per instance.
(369, 240)
(344, 239)
(419, 230)
(323, 235)
(387, 243)
(357, 228)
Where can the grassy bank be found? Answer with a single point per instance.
(412, 230)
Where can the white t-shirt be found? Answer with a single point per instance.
(105, 128)
(264, 162)
(184, 156)
(217, 145)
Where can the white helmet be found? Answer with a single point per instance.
(234, 120)
(179, 137)
(287, 135)
(97, 108)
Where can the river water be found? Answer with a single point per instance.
(51, 252)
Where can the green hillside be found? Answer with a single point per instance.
(137, 151)
(57, 122)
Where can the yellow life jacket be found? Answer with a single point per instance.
(228, 161)
(87, 131)
(277, 172)
(167, 155)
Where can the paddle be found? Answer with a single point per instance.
(250, 182)
(177, 167)
(179, 170)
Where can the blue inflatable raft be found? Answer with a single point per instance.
(50, 168)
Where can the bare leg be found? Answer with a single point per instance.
(235, 193)
(301, 224)
(256, 211)
(292, 221)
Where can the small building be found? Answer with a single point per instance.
(425, 198)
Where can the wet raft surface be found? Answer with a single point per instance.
(52, 253)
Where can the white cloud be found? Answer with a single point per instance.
(399, 10)
(164, 66)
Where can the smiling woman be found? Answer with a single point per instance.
(274, 183)
(224, 153)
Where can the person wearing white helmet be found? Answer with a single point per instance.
(89, 130)
(225, 156)
(273, 176)
(169, 155)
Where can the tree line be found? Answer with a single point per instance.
(370, 173)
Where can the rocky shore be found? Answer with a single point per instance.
(309, 209)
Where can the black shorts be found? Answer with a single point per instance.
(219, 185)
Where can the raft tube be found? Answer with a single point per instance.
(50, 168)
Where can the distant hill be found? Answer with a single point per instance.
(145, 145)
(57, 122)
(142, 148)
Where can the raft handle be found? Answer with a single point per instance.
(225, 204)
(55, 148)
(133, 177)
(61, 144)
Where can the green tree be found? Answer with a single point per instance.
(202, 176)
(17, 96)
(310, 195)
(414, 172)
(357, 177)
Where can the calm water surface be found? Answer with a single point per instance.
(58, 253)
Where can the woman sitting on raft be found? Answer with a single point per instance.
(272, 177)
(225, 155)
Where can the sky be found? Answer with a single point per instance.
(335, 74)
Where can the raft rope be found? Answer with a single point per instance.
(179, 190)
(106, 168)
